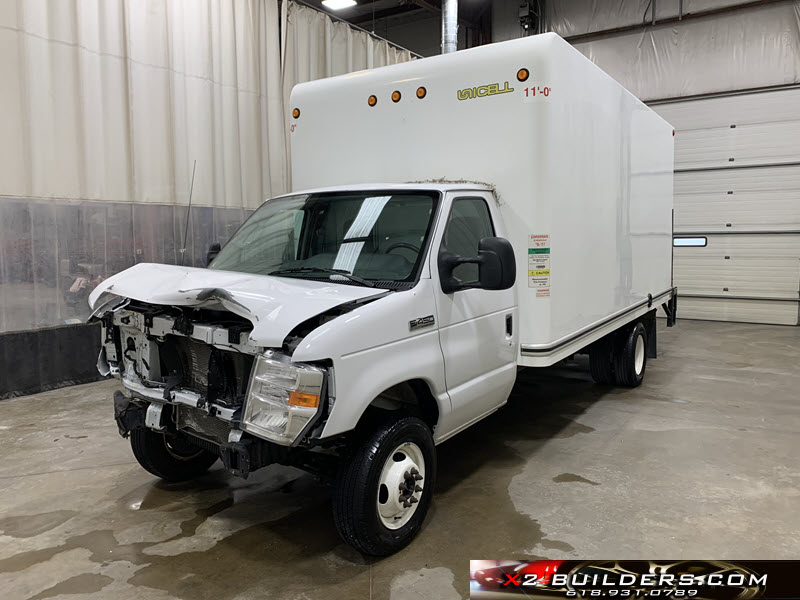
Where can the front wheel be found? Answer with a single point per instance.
(170, 458)
(384, 489)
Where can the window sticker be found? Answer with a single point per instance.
(539, 264)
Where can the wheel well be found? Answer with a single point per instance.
(412, 397)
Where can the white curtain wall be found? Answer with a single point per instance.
(317, 47)
(113, 101)
(104, 108)
(314, 46)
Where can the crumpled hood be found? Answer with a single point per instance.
(274, 305)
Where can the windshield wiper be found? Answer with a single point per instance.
(342, 272)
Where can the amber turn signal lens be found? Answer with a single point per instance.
(395, 96)
(305, 400)
(372, 100)
(296, 113)
(421, 91)
(523, 74)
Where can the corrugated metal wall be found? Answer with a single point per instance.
(737, 184)
(737, 155)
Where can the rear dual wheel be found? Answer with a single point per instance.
(601, 360)
(620, 358)
(630, 359)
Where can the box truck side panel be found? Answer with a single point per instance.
(581, 168)
(603, 204)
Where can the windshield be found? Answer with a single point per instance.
(377, 236)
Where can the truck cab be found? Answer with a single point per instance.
(333, 320)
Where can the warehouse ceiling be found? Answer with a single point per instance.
(471, 13)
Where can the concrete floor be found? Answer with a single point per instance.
(701, 461)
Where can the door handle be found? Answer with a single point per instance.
(509, 326)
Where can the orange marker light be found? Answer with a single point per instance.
(523, 74)
(296, 113)
(305, 400)
(372, 100)
(395, 96)
(421, 92)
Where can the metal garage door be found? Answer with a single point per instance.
(737, 190)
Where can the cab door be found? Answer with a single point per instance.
(477, 327)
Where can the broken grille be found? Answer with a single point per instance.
(198, 423)
(218, 375)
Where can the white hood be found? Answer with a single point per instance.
(274, 305)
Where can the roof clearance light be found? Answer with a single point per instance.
(296, 113)
(338, 4)
(372, 100)
(421, 91)
(395, 96)
(523, 74)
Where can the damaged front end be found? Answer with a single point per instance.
(194, 375)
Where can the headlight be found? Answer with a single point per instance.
(283, 397)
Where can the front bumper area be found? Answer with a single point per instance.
(240, 452)
(128, 415)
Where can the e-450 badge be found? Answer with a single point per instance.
(421, 322)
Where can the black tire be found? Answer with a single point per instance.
(629, 370)
(171, 459)
(601, 360)
(355, 499)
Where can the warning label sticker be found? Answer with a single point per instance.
(539, 264)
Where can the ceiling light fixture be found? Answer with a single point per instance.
(338, 4)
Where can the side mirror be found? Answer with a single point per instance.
(497, 268)
(213, 250)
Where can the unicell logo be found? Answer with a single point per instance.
(482, 91)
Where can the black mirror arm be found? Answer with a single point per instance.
(452, 261)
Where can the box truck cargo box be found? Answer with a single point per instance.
(453, 219)
(582, 170)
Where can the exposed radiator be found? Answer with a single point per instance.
(196, 422)
(196, 355)
(194, 360)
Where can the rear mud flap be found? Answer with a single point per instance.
(671, 308)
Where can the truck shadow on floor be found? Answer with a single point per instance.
(544, 404)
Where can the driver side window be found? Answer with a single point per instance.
(468, 223)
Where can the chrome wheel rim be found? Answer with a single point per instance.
(401, 485)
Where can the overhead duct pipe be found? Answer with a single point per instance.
(449, 26)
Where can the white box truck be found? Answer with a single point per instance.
(455, 218)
